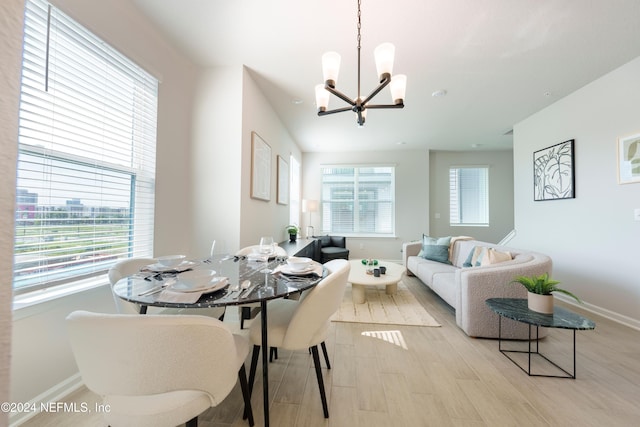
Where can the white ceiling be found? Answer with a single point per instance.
(499, 60)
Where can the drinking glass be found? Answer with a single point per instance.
(266, 249)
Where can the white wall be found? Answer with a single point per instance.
(592, 239)
(41, 360)
(412, 197)
(500, 165)
(11, 21)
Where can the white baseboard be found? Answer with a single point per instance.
(54, 394)
(608, 314)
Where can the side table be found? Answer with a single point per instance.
(517, 309)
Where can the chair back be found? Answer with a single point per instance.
(122, 269)
(134, 355)
(310, 321)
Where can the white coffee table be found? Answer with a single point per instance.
(359, 278)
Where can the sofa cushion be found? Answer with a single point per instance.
(435, 249)
(444, 284)
(493, 256)
(426, 269)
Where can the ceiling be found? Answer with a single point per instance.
(498, 60)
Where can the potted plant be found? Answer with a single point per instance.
(540, 288)
(293, 232)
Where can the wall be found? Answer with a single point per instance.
(412, 197)
(500, 165)
(592, 239)
(11, 21)
(39, 339)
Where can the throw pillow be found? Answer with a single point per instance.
(493, 256)
(475, 257)
(435, 249)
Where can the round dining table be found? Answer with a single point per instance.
(262, 281)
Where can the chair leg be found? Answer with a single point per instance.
(316, 363)
(193, 422)
(254, 365)
(244, 386)
(273, 353)
(326, 355)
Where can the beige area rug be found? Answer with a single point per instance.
(402, 308)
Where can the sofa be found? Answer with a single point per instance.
(464, 276)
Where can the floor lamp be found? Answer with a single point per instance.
(309, 206)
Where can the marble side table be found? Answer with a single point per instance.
(516, 309)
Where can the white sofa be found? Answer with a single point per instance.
(467, 288)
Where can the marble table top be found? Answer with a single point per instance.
(516, 309)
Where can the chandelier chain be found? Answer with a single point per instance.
(359, 38)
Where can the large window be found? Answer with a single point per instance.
(86, 159)
(469, 196)
(358, 200)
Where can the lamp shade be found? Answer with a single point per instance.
(384, 55)
(398, 88)
(309, 205)
(322, 97)
(330, 66)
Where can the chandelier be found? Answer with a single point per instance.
(384, 65)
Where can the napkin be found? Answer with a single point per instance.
(180, 297)
(286, 270)
(256, 256)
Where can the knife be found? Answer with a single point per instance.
(248, 291)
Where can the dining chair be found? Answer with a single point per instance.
(158, 370)
(303, 324)
(248, 311)
(131, 266)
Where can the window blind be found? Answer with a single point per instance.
(86, 159)
(469, 196)
(358, 200)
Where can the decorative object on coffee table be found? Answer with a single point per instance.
(293, 232)
(540, 288)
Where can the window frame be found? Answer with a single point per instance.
(486, 200)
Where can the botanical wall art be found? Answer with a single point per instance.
(553, 172)
(629, 159)
(260, 168)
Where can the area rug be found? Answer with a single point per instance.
(402, 308)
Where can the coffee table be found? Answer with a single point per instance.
(516, 309)
(359, 279)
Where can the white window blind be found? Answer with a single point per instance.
(86, 160)
(294, 194)
(358, 200)
(469, 196)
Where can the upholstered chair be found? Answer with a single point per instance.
(158, 370)
(332, 247)
(303, 324)
(131, 266)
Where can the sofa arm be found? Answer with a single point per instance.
(410, 249)
(476, 284)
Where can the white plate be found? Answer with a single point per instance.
(288, 270)
(215, 284)
(159, 268)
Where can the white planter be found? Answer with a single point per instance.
(540, 303)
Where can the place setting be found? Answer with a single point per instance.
(299, 266)
(189, 286)
(170, 264)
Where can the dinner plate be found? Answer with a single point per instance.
(285, 269)
(159, 268)
(215, 284)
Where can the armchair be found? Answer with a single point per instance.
(332, 247)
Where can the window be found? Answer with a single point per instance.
(469, 196)
(86, 159)
(358, 200)
(294, 194)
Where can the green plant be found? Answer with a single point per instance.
(292, 229)
(542, 285)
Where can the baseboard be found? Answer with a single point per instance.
(608, 314)
(54, 394)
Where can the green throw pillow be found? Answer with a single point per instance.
(435, 249)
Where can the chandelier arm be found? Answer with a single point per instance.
(340, 95)
(385, 81)
(399, 105)
(337, 110)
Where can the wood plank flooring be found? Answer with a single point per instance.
(398, 376)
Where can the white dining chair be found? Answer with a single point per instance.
(131, 266)
(158, 370)
(248, 311)
(303, 324)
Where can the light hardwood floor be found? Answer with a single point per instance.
(419, 376)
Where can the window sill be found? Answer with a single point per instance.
(40, 296)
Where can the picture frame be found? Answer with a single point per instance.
(629, 159)
(282, 191)
(554, 172)
(260, 168)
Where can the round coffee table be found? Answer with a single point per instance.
(359, 278)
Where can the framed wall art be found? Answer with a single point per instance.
(629, 159)
(554, 172)
(282, 192)
(260, 168)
